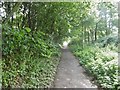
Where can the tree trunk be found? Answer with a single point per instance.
(91, 35)
(82, 36)
(29, 15)
(85, 35)
(88, 37)
(96, 32)
(106, 25)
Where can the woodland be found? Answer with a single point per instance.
(32, 33)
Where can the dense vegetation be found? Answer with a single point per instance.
(31, 35)
(30, 55)
(101, 62)
(33, 31)
(98, 53)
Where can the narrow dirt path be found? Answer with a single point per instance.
(70, 74)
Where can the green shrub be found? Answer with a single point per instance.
(29, 73)
(101, 63)
(29, 59)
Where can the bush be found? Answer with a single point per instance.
(29, 73)
(29, 58)
(101, 63)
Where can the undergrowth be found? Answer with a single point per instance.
(29, 59)
(101, 62)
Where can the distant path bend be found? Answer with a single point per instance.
(70, 74)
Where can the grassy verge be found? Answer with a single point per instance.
(102, 63)
(29, 72)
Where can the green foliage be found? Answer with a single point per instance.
(17, 41)
(29, 60)
(33, 31)
(109, 40)
(100, 62)
(29, 72)
(28, 29)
